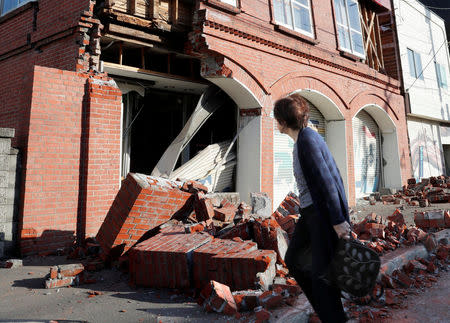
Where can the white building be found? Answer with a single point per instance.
(425, 69)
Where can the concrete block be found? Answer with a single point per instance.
(261, 204)
(7, 132)
(396, 259)
(233, 197)
(13, 263)
(5, 146)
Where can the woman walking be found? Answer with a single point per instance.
(324, 210)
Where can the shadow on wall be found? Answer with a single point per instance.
(48, 243)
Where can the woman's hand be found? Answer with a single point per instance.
(343, 230)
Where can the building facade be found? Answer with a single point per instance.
(425, 66)
(97, 89)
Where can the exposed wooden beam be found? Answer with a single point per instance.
(127, 31)
(120, 53)
(173, 11)
(143, 57)
(132, 6)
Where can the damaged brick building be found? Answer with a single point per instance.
(98, 89)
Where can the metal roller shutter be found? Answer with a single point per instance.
(316, 120)
(283, 176)
(367, 156)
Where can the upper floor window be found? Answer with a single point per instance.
(415, 64)
(230, 2)
(349, 27)
(294, 14)
(8, 5)
(441, 75)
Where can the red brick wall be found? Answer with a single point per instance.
(142, 203)
(70, 175)
(39, 33)
(272, 64)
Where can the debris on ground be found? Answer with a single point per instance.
(428, 190)
(230, 255)
(416, 275)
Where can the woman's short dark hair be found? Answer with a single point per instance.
(292, 111)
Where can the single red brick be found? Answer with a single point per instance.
(293, 290)
(55, 283)
(53, 272)
(262, 315)
(220, 299)
(70, 270)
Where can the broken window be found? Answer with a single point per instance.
(349, 27)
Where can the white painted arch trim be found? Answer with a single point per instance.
(382, 118)
(249, 144)
(335, 129)
(326, 106)
(239, 92)
(391, 171)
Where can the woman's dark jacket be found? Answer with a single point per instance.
(323, 177)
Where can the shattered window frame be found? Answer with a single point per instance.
(348, 27)
(7, 6)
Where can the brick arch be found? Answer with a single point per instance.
(367, 98)
(295, 80)
(242, 84)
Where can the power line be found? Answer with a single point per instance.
(421, 72)
(436, 8)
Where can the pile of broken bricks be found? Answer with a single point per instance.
(173, 234)
(409, 278)
(427, 191)
(387, 234)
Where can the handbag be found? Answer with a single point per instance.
(354, 267)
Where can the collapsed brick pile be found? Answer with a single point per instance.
(173, 234)
(428, 190)
(387, 234)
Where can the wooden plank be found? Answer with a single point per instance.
(120, 53)
(127, 40)
(380, 47)
(132, 20)
(113, 28)
(173, 11)
(140, 70)
(154, 10)
(143, 57)
(132, 6)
